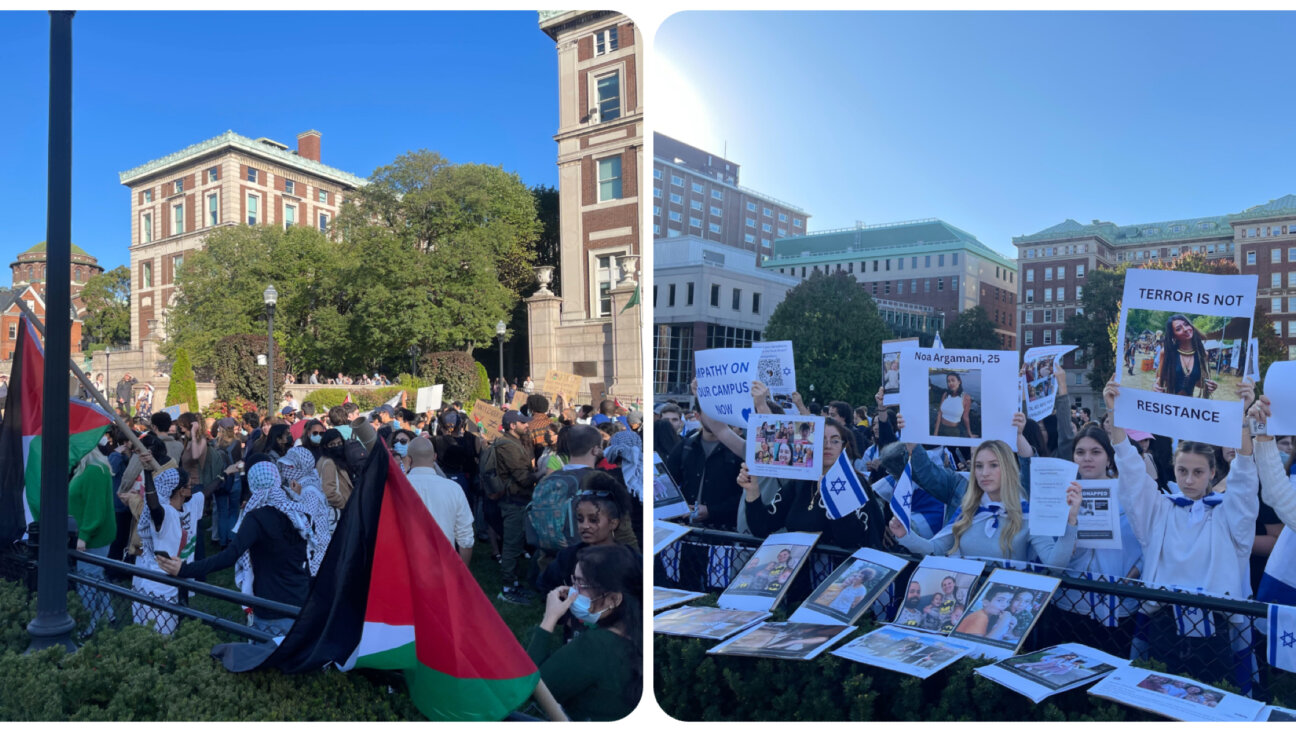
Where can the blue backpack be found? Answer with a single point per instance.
(551, 515)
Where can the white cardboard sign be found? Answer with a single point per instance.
(724, 377)
(958, 397)
(774, 366)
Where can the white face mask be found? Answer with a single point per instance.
(103, 441)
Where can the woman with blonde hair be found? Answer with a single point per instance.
(992, 519)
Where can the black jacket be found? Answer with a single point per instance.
(793, 510)
(715, 478)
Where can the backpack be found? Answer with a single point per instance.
(491, 482)
(551, 515)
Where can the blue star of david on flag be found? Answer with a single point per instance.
(1282, 637)
(841, 489)
(902, 495)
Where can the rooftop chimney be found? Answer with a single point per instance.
(308, 145)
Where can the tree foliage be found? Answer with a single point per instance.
(837, 335)
(548, 246)
(238, 375)
(456, 370)
(183, 388)
(106, 297)
(971, 328)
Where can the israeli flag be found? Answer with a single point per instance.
(902, 496)
(1278, 583)
(1282, 637)
(936, 342)
(841, 489)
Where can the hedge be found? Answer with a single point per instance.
(136, 674)
(483, 384)
(182, 389)
(456, 370)
(238, 376)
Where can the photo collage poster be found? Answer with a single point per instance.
(956, 397)
(938, 593)
(1038, 383)
(766, 576)
(785, 446)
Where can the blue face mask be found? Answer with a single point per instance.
(580, 609)
(400, 448)
(315, 439)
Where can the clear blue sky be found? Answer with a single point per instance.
(1000, 123)
(476, 87)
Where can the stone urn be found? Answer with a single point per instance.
(544, 275)
(629, 268)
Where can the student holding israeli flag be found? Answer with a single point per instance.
(1195, 538)
(1278, 584)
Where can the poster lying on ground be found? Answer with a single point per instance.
(1039, 385)
(712, 623)
(1050, 671)
(765, 578)
(1171, 383)
(903, 650)
(958, 397)
(774, 366)
(666, 533)
(792, 641)
(1004, 611)
(938, 593)
(785, 446)
(668, 502)
(1176, 697)
(1277, 714)
(1098, 521)
(891, 368)
(664, 597)
(724, 377)
(851, 589)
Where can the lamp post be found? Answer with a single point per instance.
(413, 354)
(500, 327)
(271, 297)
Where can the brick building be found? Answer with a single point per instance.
(697, 194)
(28, 271)
(176, 200)
(600, 156)
(930, 270)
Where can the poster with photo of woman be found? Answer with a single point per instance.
(1050, 671)
(792, 641)
(1039, 383)
(1004, 611)
(851, 589)
(959, 398)
(711, 623)
(668, 502)
(905, 651)
(766, 576)
(937, 593)
(1176, 342)
(1176, 697)
(891, 368)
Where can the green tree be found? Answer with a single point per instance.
(837, 335)
(548, 246)
(183, 388)
(238, 375)
(107, 302)
(971, 328)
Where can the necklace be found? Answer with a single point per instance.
(1182, 352)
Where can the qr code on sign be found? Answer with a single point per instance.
(770, 372)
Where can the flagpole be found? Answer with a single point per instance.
(85, 381)
(52, 625)
(549, 704)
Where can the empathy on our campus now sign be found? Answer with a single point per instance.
(1039, 384)
(958, 397)
(891, 368)
(774, 366)
(1171, 383)
(724, 377)
(785, 446)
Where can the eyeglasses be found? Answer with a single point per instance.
(833, 442)
(591, 492)
(580, 583)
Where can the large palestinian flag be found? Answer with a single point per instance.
(392, 593)
(20, 435)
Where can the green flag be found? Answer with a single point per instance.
(634, 300)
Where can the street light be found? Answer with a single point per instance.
(271, 297)
(500, 327)
(413, 354)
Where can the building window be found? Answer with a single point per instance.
(766, 211)
(756, 303)
(940, 284)
(677, 181)
(688, 294)
(1030, 296)
(179, 186)
(1061, 294)
(765, 242)
(657, 174)
(146, 228)
(676, 198)
(323, 222)
(176, 262)
(1029, 338)
(290, 187)
(715, 296)
(605, 41)
(609, 97)
(1030, 316)
(290, 215)
(1278, 329)
(252, 175)
(1080, 271)
(751, 222)
(676, 216)
(609, 172)
(900, 263)
(697, 188)
(1048, 274)
(1275, 256)
(148, 196)
(796, 222)
(1275, 279)
(670, 296)
(605, 276)
(213, 173)
(1275, 304)
(1251, 257)
(146, 274)
(749, 238)
(1048, 337)
(322, 195)
(1079, 295)
(715, 211)
(717, 194)
(1291, 279)
(1048, 316)
(782, 217)
(253, 203)
(213, 209)
(656, 210)
(715, 228)
(782, 232)
(1291, 329)
(1030, 274)
(766, 228)
(751, 207)
(695, 204)
(900, 287)
(737, 299)
(926, 285)
(940, 260)
(1061, 273)
(178, 210)
(695, 222)
(1048, 294)
(954, 259)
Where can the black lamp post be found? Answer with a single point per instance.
(413, 354)
(271, 297)
(500, 328)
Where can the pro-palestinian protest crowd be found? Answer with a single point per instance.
(1201, 505)
(553, 496)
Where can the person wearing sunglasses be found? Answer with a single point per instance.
(400, 442)
(598, 674)
(599, 513)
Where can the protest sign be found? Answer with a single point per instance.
(1049, 478)
(891, 368)
(712, 623)
(1176, 697)
(668, 502)
(938, 593)
(428, 397)
(765, 578)
(851, 589)
(1280, 387)
(1170, 384)
(958, 397)
(906, 651)
(1098, 523)
(1050, 671)
(598, 392)
(791, 641)
(488, 417)
(664, 597)
(519, 399)
(1004, 611)
(174, 411)
(666, 533)
(1039, 385)
(560, 382)
(774, 366)
(785, 446)
(724, 380)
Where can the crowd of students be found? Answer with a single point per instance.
(271, 491)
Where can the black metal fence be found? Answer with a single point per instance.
(1214, 640)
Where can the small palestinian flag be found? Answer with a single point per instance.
(20, 434)
(393, 594)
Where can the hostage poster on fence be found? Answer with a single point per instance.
(1171, 382)
(1039, 385)
(958, 397)
(724, 377)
